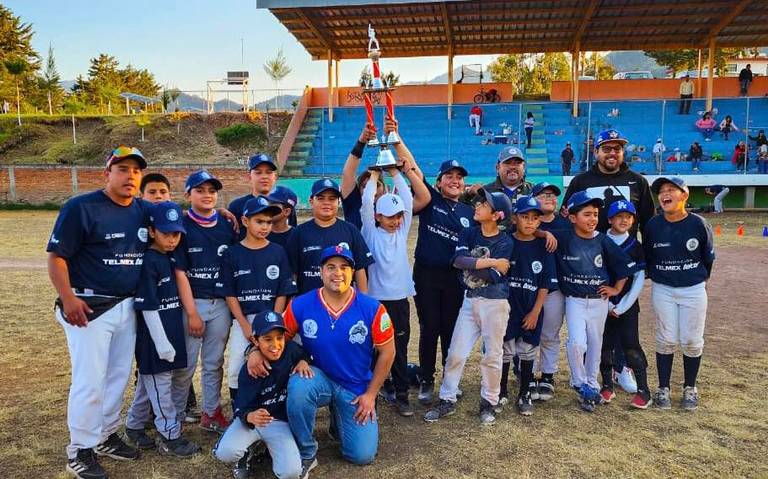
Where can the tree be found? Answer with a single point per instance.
(604, 69)
(16, 67)
(277, 69)
(530, 74)
(688, 59)
(106, 80)
(16, 44)
(48, 84)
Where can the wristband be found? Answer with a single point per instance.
(357, 150)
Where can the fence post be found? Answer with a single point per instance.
(11, 184)
(74, 180)
(746, 139)
(663, 116)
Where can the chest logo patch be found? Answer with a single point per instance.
(143, 235)
(357, 333)
(692, 244)
(464, 222)
(222, 249)
(536, 267)
(599, 261)
(273, 271)
(309, 326)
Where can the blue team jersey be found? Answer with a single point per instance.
(309, 239)
(634, 250)
(440, 223)
(557, 224)
(102, 242)
(280, 238)
(531, 268)
(681, 253)
(341, 344)
(583, 265)
(351, 205)
(157, 291)
(471, 241)
(256, 277)
(236, 207)
(199, 255)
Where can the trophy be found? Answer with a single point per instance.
(377, 86)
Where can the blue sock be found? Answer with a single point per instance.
(664, 367)
(691, 369)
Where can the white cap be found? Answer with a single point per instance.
(389, 204)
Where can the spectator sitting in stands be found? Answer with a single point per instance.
(762, 159)
(706, 125)
(696, 153)
(739, 157)
(760, 139)
(476, 118)
(727, 126)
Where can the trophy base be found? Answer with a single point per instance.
(386, 160)
(377, 167)
(373, 89)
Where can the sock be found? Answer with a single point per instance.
(547, 376)
(526, 375)
(232, 396)
(691, 369)
(664, 366)
(504, 380)
(641, 376)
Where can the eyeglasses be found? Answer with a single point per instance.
(548, 196)
(608, 148)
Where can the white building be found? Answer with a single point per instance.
(734, 65)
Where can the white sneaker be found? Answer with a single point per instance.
(626, 380)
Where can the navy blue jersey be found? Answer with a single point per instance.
(351, 205)
(256, 277)
(268, 392)
(634, 250)
(583, 265)
(157, 291)
(440, 223)
(102, 242)
(557, 224)
(236, 207)
(309, 239)
(531, 268)
(681, 253)
(280, 238)
(471, 242)
(199, 255)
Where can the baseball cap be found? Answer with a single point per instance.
(449, 165)
(675, 180)
(198, 178)
(260, 204)
(621, 206)
(166, 217)
(610, 135)
(284, 196)
(544, 185)
(582, 198)
(510, 152)
(498, 201)
(389, 204)
(325, 184)
(266, 321)
(261, 159)
(123, 153)
(525, 203)
(337, 251)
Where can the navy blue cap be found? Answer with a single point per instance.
(166, 217)
(524, 204)
(539, 187)
(675, 180)
(340, 251)
(449, 165)
(261, 159)
(510, 152)
(498, 201)
(582, 198)
(266, 321)
(325, 184)
(284, 196)
(621, 206)
(198, 178)
(260, 204)
(610, 135)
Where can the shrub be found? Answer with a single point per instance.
(241, 135)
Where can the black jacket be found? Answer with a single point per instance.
(626, 184)
(745, 74)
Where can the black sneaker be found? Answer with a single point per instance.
(387, 392)
(139, 438)
(116, 448)
(178, 447)
(443, 408)
(525, 404)
(403, 406)
(86, 466)
(546, 388)
(487, 415)
(427, 393)
(241, 469)
(306, 466)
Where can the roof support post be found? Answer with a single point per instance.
(450, 82)
(710, 72)
(330, 86)
(698, 79)
(575, 65)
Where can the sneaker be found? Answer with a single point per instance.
(241, 469)
(427, 393)
(690, 401)
(533, 390)
(546, 389)
(387, 392)
(306, 466)
(487, 416)
(525, 404)
(606, 395)
(642, 400)
(403, 407)
(459, 394)
(662, 399)
(116, 448)
(626, 380)
(138, 438)
(192, 415)
(443, 408)
(178, 447)
(588, 398)
(86, 466)
(215, 422)
(499, 407)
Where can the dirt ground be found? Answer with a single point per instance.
(726, 437)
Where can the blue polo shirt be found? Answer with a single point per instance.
(440, 223)
(200, 253)
(679, 254)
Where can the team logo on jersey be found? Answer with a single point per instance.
(358, 333)
(692, 244)
(271, 317)
(143, 235)
(273, 271)
(172, 215)
(599, 261)
(309, 326)
(464, 222)
(536, 267)
(385, 323)
(222, 249)
(344, 244)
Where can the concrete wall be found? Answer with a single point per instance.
(650, 89)
(412, 94)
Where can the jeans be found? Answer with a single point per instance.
(528, 134)
(744, 86)
(685, 104)
(762, 166)
(286, 462)
(707, 132)
(359, 443)
(695, 162)
(719, 200)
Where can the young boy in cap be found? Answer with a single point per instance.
(587, 263)
(483, 254)
(260, 405)
(532, 275)
(207, 317)
(282, 226)
(352, 185)
(262, 173)
(160, 338)
(679, 252)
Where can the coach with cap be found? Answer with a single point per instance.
(611, 179)
(510, 174)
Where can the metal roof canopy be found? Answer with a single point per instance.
(471, 27)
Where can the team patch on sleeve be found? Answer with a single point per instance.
(382, 330)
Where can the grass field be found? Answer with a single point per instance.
(726, 437)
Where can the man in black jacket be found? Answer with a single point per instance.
(745, 78)
(611, 179)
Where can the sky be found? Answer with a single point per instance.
(186, 43)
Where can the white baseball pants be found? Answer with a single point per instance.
(237, 346)
(154, 393)
(719, 200)
(474, 121)
(586, 321)
(680, 317)
(552, 322)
